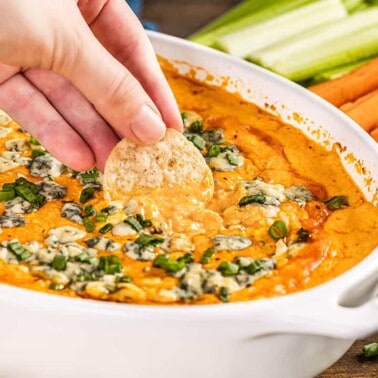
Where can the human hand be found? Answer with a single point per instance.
(79, 75)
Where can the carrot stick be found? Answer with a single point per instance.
(366, 113)
(350, 105)
(374, 134)
(351, 86)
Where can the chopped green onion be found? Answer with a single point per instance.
(303, 235)
(337, 202)
(106, 228)
(89, 177)
(198, 141)
(184, 116)
(171, 265)
(228, 269)
(87, 194)
(187, 258)
(232, 158)
(101, 217)
(82, 257)
(89, 210)
(92, 242)
(255, 198)
(277, 230)
(88, 224)
(19, 251)
(25, 193)
(8, 186)
(39, 201)
(57, 286)
(149, 240)
(224, 294)
(109, 210)
(370, 350)
(7, 195)
(36, 153)
(110, 264)
(21, 181)
(254, 267)
(142, 221)
(29, 195)
(134, 223)
(196, 127)
(59, 262)
(34, 141)
(205, 258)
(124, 279)
(86, 277)
(214, 151)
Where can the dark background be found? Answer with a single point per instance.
(183, 17)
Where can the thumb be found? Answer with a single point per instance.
(114, 91)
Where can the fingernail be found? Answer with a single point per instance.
(147, 126)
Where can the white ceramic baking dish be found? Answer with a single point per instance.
(296, 335)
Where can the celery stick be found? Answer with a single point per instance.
(353, 5)
(336, 72)
(252, 12)
(237, 12)
(255, 37)
(299, 58)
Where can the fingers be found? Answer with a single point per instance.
(77, 111)
(132, 48)
(114, 92)
(29, 107)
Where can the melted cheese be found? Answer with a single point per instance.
(272, 160)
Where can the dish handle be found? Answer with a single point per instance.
(353, 314)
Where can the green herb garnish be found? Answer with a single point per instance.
(255, 198)
(101, 217)
(370, 350)
(232, 158)
(36, 153)
(34, 141)
(87, 194)
(171, 265)
(88, 224)
(228, 269)
(149, 240)
(206, 256)
(213, 151)
(110, 264)
(142, 221)
(59, 262)
(89, 177)
(7, 195)
(19, 251)
(198, 141)
(277, 230)
(89, 210)
(57, 286)
(106, 228)
(134, 223)
(82, 257)
(224, 294)
(337, 202)
(254, 267)
(196, 127)
(124, 279)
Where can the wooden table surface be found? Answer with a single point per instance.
(183, 17)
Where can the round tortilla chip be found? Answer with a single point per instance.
(171, 163)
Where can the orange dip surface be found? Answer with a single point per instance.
(270, 229)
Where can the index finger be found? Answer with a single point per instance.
(131, 46)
